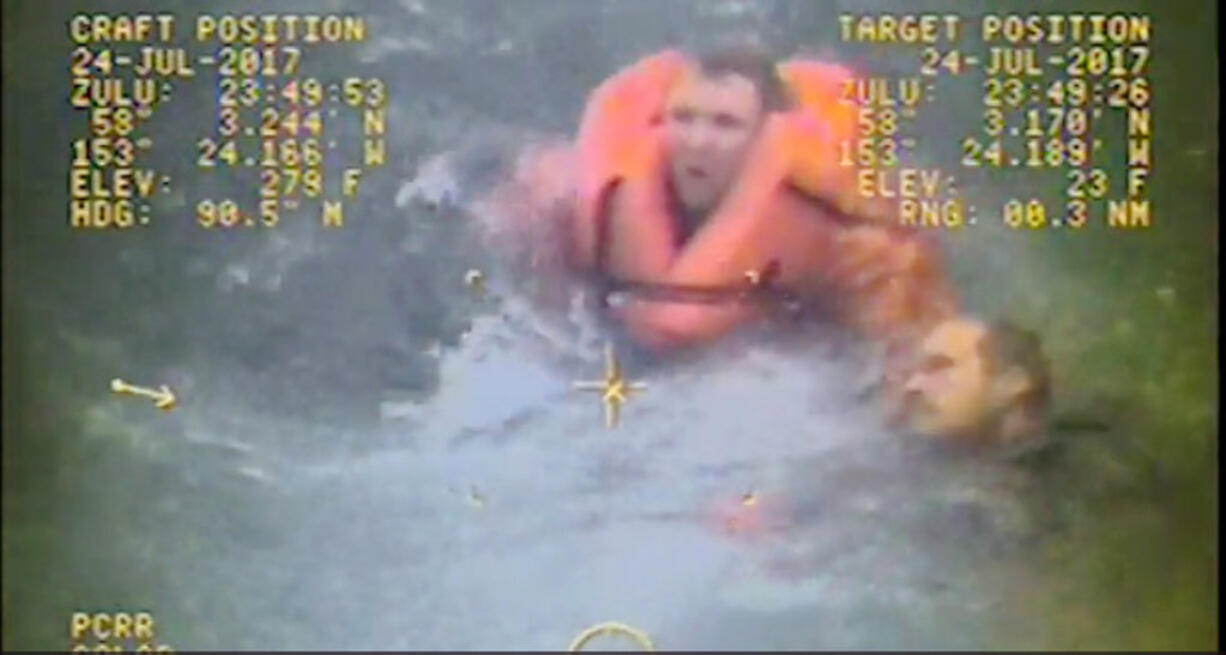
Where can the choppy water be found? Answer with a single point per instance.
(367, 456)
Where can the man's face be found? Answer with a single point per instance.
(710, 123)
(949, 392)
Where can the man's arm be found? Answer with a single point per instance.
(643, 250)
(890, 281)
(891, 287)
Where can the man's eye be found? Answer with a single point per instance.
(727, 121)
(937, 363)
(682, 115)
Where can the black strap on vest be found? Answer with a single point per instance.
(763, 289)
(606, 285)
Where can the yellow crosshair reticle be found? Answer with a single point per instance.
(611, 628)
(615, 388)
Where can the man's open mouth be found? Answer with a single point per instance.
(696, 172)
(915, 405)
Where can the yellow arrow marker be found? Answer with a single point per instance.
(612, 628)
(163, 397)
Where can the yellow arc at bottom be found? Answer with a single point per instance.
(611, 628)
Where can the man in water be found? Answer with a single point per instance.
(683, 223)
(974, 384)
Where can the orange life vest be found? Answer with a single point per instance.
(619, 142)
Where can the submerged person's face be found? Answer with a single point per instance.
(710, 123)
(949, 392)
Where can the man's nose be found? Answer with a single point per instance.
(700, 136)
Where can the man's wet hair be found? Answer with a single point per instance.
(1009, 346)
(753, 63)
